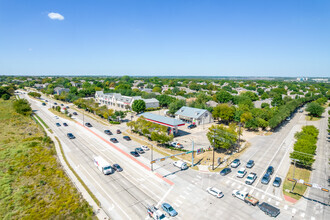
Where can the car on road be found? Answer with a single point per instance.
(87, 124)
(191, 126)
(144, 148)
(265, 179)
(169, 209)
(65, 124)
(176, 144)
(114, 140)
(246, 197)
(241, 172)
(235, 163)
(139, 150)
(225, 171)
(155, 213)
(118, 131)
(75, 113)
(251, 178)
(117, 168)
(71, 136)
(127, 138)
(250, 164)
(181, 164)
(277, 181)
(270, 170)
(108, 132)
(44, 104)
(56, 117)
(301, 110)
(215, 192)
(134, 153)
(288, 118)
(58, 124)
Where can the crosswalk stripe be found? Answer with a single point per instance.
(302, 214)
(245, 189)
(233, 184)
(286, 207)
(269, 199)
(312, 218)
(277, 203)
(294, 210)
(263, 196)
(257, 194)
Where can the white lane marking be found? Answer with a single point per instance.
(198, 176)
(182, 196)
(188, 188)
(245, 189)
(269, 199)
(227, 182)
(233, 184)
(162, 199)
(239, 186)
(286, 207)
(257, 194)
(294, 210)
(196, 183)
(263, 196)
(185, 192)
(176, 205)
(312, 218)
(251, 191)
(178, 201)
(106, 193)
(277, 202)
(302, 214)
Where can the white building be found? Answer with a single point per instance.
(194, 115)
(123, 102)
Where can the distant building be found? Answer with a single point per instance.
(123, 102)
(59, 90)
(194, 115)
(211, 103)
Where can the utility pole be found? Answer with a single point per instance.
(213, 154)
(192, 155)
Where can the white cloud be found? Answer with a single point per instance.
(55, 16)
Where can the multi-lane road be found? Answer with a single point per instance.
(125, 195)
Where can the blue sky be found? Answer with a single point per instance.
(166, 37)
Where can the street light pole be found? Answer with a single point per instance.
(213, 155)
(192, 155)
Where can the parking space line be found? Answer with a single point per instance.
(185, 192)
(198, 176)
(228, 181)
(257, 194)
(175, 204)
(182, 197)
(178, 201)
(189, 188)
(233, 184)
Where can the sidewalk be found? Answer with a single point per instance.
(100, 214)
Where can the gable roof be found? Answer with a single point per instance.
(190, 112)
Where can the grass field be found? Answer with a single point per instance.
(299, 189)
(32, 183)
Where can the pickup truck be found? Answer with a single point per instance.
(245, 197)
(269, 209)
(155, 213)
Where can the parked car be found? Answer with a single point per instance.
(134, 153)
(169, 209)
(65, 124)
(117, 168)
(43, 104)
(250, 164)
(265, 179)
(118, 131)
(75, 113)
(108, 132)
(87, 124)
(55, 103)
(71, 136)
(139, 150)
(67, 107)
(176, 144)
(269, 209)
(251, 178)
(191, 126)
(241, 172)
(127, 138)
(288, 118)
(62, 105)
(114, 140)
(270, 170)
(215, 192)
(58, 124)
(225, 171)
(144, 148)
(277, 182)
(235, 163)
(301, 110)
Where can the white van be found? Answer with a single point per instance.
(103, 165)
(181, 164)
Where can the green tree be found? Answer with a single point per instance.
(157, 89)
(223, 96)
(224, 112)
(176, 105)
(222, 137)
(315, 109)
(165, 100)
(5, 96)
(22, 106)
(138, 106)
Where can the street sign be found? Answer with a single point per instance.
(325, 190)
(153, 161)
(200, 150)
(292, 180)
(308, 184)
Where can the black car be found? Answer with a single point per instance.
(250, 164)
(277, 182)
(65, 124)
(135, 154)
(58, 124)
(139, 150)
(127, 138)
(55, 103)
(118, 131)
(113, 140)
(71, 136)
(62, 105)
(270, 170)
(191, 126)
(88, 124)
(43, 104)
(108, 132)
(117, 168)
(75, 113)
(265, 179)
(269, 209)
(225, 171)
(66, 106)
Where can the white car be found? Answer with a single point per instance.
(176, 144)
(215, 192)
(241, 172)
(235, 163)
(251, 178)
(145, 148)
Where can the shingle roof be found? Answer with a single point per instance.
(190, 112)
(162, 119)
